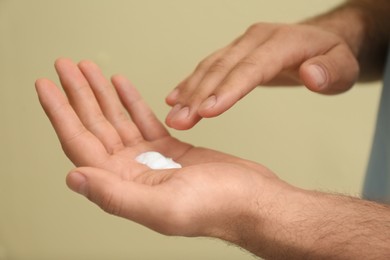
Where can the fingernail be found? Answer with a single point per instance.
(78, 183)
(209, 102)
(318, 74)
(174, 111)
(182, 114)
(173, 95)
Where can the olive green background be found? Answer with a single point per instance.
(312, 141)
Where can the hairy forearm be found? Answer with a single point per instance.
(365, 26)
(298, 224)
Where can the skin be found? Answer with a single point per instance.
(226, 76)
(324, 53)
(214, 194)
(96, 132)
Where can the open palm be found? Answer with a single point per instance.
(93, 125)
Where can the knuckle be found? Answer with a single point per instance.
(261, 28)
(255, 28)
(203, 65)
(248, 62)
(220, 65)
(289, 33)
(286, 29)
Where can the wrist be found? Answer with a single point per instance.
(301, 224)
(264, 225)
(274, 222)
(288, 222)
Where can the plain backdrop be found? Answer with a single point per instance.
(312, 141)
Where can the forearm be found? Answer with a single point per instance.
(299, 224)
(365, 27)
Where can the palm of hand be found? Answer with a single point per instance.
(95, 132)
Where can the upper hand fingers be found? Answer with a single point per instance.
(208, 76)
(210, 72)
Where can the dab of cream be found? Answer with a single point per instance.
(156, 161)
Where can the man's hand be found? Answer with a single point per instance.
(266, 54)
(204, 198)
(214, 194)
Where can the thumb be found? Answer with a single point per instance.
(111, 193)
(146, 205)
(103, 188)
(332, 73)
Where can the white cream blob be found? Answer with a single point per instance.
(156, 161)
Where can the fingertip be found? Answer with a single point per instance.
(77, 182)
(61, 61)
(39, 83)
(119, 80)
(321, 79)
(83, 64)
(181, 118)
(206, 109)
(42, 84)
(332, 73)
(172, 97)
(315, 77)
(182, 125)
(117, 77)
(215, 106)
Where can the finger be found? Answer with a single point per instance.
(184, 115)
(144, 118)
(331, 73)
(150, 206)
(85, 105)
(220, 62)
(178, 98)
(260, 66)
(115, 196)
(219, 69)
(80, 145)
(273, 57)
(211, 73)
(187, 86)
(186, 98)
(110, 103)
